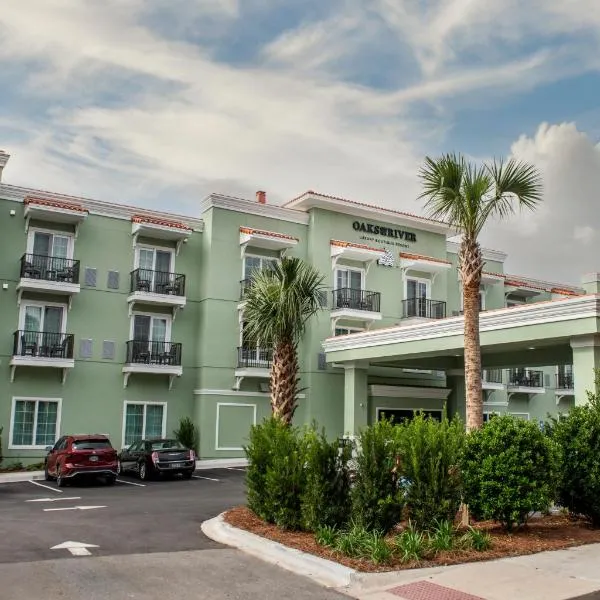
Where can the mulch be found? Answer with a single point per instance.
(552, 532)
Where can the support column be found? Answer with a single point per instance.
(456, 403)
(586, 358)
(355, 398)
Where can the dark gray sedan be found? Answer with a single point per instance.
(149, 458)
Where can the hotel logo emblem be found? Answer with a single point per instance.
(387, 260)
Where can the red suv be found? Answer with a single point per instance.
(81, 455)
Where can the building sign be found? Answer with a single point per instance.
(387, 260)
(383, 230)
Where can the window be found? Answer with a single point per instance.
(487, 416)
(92, 444)
(151, 328)
(346, 330)
(257, 263)
(348, 279)
(416, 294)
(252, 354)
(35, 422)
(143, 420)
(42, 317)
(47, 243)
(154, 259)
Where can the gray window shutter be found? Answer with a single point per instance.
(322, 362)
(85, 348)
(113, 280)
(90, 277)
(108, 349)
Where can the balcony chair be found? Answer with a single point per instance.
(28, 346)
(366, 303)
(142, 285)
(58, 350)
(30, 270)
(66, 275)
(168, 358)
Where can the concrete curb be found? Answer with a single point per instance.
(21, 476)
(324, 572)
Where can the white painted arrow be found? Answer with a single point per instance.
(57, 499)
(73, 508)
(75, 548)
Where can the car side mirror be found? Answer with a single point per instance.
(49, 448)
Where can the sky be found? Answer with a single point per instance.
(160, 102)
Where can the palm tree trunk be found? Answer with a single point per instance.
(471, 264)
(284, 381)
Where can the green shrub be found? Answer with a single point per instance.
(578, 438)
(430, 454)
(441, 536)
(187, 434)
(325, 499)
(353, 541)
(509, 470)
(326, 536)
(375, 548)
(377, 500)
(476, 539)
(411, 545)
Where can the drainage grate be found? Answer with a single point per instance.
(425, 590)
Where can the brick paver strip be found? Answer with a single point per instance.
(425, 590)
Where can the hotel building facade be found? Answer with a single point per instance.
(121, 320)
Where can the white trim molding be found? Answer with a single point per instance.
(236, 404)
(538, 313)
(488, 253)
(144, 404)
(37, 400)
(393, 391)
(235, 393)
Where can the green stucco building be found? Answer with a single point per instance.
(121, 320)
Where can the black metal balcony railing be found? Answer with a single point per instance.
(356, 299)
(153, 353)
(525, 378)
(157, 282)
(564, 381)
(251, 357)
(424, 308)
(45, 344)
(492, 375)
(49, 268)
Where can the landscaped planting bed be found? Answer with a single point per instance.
(539, 534)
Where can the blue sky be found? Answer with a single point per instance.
(159, 102)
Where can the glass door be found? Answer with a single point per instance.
(349, 285)
(149, 337)
(50, 253)
(154, 269)
(416, 297)
(43, 330)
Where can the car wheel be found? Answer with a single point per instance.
(60, 480)
(47, 475)
(119, 467)
(187, 474)
(110, 480)
(143, 471)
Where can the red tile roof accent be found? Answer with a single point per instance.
(564, 292)
(523, 283)
(274, 234)
(422, 257)
(494, 274)
(353, 245)
(55, 204)
(161, 222)
(398, 212)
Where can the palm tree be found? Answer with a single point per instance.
(466, 196)
(279, 303)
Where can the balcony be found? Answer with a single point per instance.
(42, 349)
(491, 379)
(158, 288)
(253, 361)
(355, 305)
(525, 381)
(565, 385)
(244, 286)
(156, 358)
(423, 308)
(48, 274)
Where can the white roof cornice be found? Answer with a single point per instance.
(536, 313)
(488, 253)
(97, 207)
(272, 211)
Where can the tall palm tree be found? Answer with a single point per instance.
(279, 303)
(466, 196)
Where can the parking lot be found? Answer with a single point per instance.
(131, 517)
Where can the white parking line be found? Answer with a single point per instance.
(57, 499)
(73, 508)
(235, 469)
(208, 478)
(131, 483)
(58, 491)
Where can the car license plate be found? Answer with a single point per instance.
(93, 459)
(176, 465)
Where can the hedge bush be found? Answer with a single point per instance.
(430, 454)
(377, 499)
(578, 439)
(326, 494)
(509, 469)
(187, 434)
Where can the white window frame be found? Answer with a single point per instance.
(163, 432)
(261, 257)
(349, 329)
(520, 414)
(168, 318)
(219, 404)
(363, 275)
(70, 236)
(379, 409)
(138, 247)
(427, 283)
(26, 303)
(482, 294)
(36, 399)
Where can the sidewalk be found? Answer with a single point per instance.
(559, 575)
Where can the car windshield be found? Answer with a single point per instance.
(167, 445)
(91, 444)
